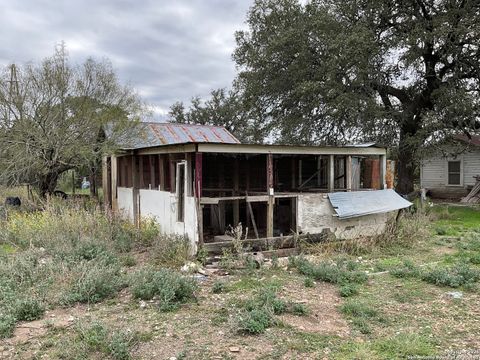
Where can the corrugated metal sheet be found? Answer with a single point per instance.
(359, 203)
(158, 134)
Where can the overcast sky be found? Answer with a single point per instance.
(168, 50)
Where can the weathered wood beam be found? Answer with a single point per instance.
(348, 172)
(331, 173)
(270, 192)
(114, 169)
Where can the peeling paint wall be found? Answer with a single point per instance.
(316, 214)
(162, 206)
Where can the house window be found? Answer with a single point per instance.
(454, 172)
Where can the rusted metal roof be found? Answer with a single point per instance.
(159, 134)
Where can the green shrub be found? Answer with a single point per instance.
(94, 282)
(299, 309)
(28, 310)
(170, 250)
(408, 270)
(93, 335)
(258, 312)
(218, 287)
(308, 282)
(119, 345)
(348, 290)
(329, 272)
(255, 321)
(358, 309)
(168, 286)
(7, 325)
(128, 261)
(456, 276)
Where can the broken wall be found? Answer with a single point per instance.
(316, 215)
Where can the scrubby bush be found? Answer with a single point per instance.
(308, 282)
(28, 310)
(219, 286)
(168, 286)
(93, 282)
(408, 270)
(348, 290)
(255, 321)
(95, 337)
(360, 314)
(258, 313)
(337, 273)
(458, 275)
(170, 250)
(7, 325)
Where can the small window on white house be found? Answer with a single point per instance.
(454, 172)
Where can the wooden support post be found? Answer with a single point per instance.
(271, 196)
(114, 168)
(106, 190)
(252, 218)
(348, 172)
(331, 173)
(139, 169)
(161, 172)
(221, 204)
(198, 194)
(151, 162)
(319, 174)
(294, 177)
(300, 177)
(135, 191)
(383, 171)
(236, 203)
(171, 165)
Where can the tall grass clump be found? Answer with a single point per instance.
(167, 286)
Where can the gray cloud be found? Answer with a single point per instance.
(168, 50)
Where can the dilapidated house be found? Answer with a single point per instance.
(200, 181)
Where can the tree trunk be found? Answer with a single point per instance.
(406, 164)
(48, 184)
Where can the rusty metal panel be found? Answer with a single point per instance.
(158, 134)
(359, 203)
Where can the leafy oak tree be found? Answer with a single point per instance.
(53, 118)
(397, 72)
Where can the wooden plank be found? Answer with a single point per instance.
(198, 195)
(161, 171)
(293, 168)
(114, 182)
(252, 218)
(106, 190)
(287, 149)
(348, 172)
(172, 180)
(331, 173)
(139, 170)
(151, 161)
(198, 174)
(270, 192)
(135, 191)
(383, 171)
(236, 203)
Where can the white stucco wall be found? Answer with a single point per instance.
(162, 206)
(315, 214)
(125, 201)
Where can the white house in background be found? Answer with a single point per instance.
(452, 172)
